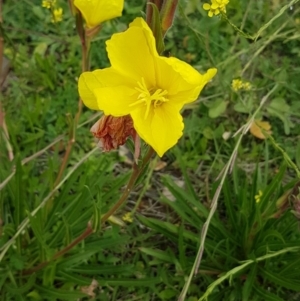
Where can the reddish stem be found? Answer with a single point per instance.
(137, 170)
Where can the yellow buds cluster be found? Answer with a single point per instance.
(238, 84)
(48, 3)
(57, 12)
(216, 7)
(57, 15)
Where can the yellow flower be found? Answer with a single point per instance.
(57, 15)
(216, 7)
(127, 217)
(150, 88)
(238, 84)
(258, 196)
(48, 3)
(97, 11)
(247, 86)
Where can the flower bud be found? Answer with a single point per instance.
(167, 14)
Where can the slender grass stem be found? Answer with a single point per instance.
(85, 65)
(227, 169)
(26, 221)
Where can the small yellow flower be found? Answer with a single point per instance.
(216, 7)
(238, 84)
(57, 15)
(97, 11)
(258, 196)
(247, 86)
(48, 3)
(152, 89)
(127, 217)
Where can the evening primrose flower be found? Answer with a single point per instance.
(97, 11)
(216, 7)
(150, 88)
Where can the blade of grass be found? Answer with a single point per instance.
(244, 129)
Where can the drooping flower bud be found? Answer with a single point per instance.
(113, 131)
(167, 14)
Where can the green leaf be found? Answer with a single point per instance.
(17, 261)
(21, 290)
(103, 269)
(162, 255)
(244, 107)
(38, 11)
(292, 284)
(58, 294)
(266, 295)
(217, 108)
(148, 282)
(167, 294)
(279, 108)
(249, 283)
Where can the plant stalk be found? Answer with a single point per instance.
(137, 170)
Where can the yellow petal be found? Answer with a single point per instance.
(206, 6)
(183, 82)
(215, 6)
(162, 128)
(187, 72)
(140, 23)
(97, 11)
(257, 126)
(87, 83)
(116, 100)
(131, 52)
(90, 81)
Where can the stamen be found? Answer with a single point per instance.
(148, 98)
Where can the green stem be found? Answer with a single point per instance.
(137, 170)
(136, 173)
(145, 187)
(85, 50)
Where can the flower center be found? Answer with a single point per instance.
(150, 97)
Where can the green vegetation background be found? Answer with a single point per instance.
(252, 248)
